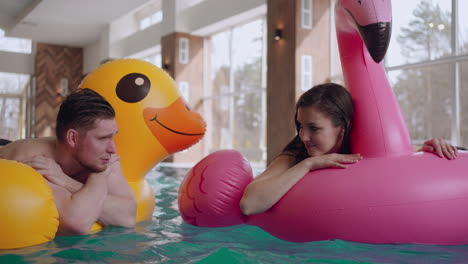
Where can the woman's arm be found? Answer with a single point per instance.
(270, 186)
(440, 147)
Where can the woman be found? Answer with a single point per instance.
(323, 120)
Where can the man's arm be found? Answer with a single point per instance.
(119, 207)
(80, 210)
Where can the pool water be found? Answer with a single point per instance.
(166, 239)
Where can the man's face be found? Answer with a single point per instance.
(96, 146)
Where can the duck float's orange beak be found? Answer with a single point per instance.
(175, 126)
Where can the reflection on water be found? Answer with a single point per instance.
(166, 239)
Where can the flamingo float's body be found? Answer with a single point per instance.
(391, 196)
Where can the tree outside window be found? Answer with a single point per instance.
(426, 90)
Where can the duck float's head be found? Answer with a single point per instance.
(372, 19)
(152, 117)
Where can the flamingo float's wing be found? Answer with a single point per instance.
(210, 194)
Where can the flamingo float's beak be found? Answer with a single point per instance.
(377, 38)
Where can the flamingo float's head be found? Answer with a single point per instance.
(152, 118)
(373, 20)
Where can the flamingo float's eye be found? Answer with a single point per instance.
(133, 87)
(359, 1)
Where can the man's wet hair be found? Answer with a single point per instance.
(80, 110)
(4, 142)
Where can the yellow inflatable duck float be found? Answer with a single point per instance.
(154, 122)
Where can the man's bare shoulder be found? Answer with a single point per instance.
(24, 148)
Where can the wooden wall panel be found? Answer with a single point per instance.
(281, 81)
(284, 64)
(51, 65)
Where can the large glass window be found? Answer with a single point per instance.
(14, 44)
(13, 99)
(464, 102)
(154, 59)
(151, 20)
(235, 95)
(14, 93)
(420, 31)
(463, 26)
(422, 68)
(425, 99)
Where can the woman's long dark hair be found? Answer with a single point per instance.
(335, 102)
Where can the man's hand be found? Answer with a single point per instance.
(441, 148)
(114, 158)
(53, 172)
(112, 167)
(120, 206)
(48, 168)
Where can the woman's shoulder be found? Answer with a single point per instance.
(279, 165)
(288, 153)
(285, 159)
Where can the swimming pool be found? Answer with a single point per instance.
(166, 239)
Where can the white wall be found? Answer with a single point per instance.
(95, 53)
(141, 40)
(122, 37)
(200, 18)
(123, 27)
(203, 18)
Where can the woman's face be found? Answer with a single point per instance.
(318, 133)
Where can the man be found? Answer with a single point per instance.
(80, 165)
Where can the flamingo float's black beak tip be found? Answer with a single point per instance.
(377, 39)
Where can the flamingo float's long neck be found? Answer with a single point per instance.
(378, 128)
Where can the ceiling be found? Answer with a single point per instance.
(62, 22)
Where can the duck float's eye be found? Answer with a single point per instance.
(133, 87)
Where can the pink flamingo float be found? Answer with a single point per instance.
(392, 196)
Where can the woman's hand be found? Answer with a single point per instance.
(333, 160)
(441, 148)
